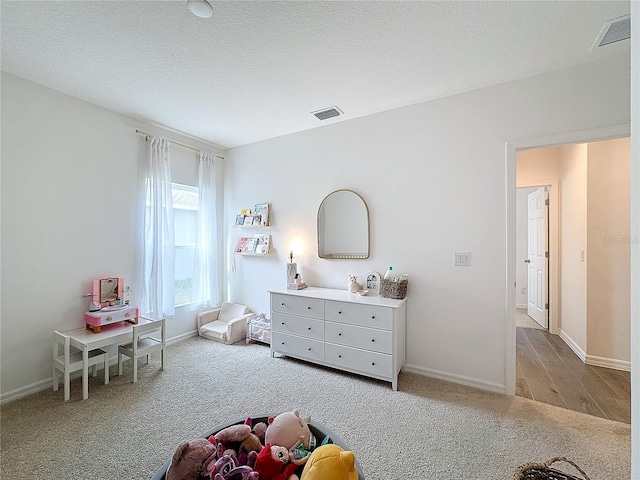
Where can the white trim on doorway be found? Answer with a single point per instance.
(585, 136)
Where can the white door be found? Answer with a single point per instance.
(537, 259)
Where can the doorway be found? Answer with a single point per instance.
(566, 348)
(532, 247)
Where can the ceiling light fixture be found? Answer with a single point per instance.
(200, 8)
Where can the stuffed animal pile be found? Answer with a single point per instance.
(283, 449)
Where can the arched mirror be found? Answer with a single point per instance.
(343, 226)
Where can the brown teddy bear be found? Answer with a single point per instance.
(189, 459)
(237, 440)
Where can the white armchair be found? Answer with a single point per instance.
(227, 324)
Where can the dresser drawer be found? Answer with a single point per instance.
(292, 324)
(358, 314)
(308, 307)
(361, 337)
(297, 346)
(113, 316)
(355, 359)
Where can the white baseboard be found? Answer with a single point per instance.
(26, 390)
(522, 306)
(47, 383)
(459, 379)
(184, 336)
(573, 346)
(593, 359)
(609, 363)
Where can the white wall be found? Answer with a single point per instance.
(538, 166)
(433, 176)
(608, 244)
(574, 256)
(71, 173)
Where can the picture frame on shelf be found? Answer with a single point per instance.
(248, 220)
(239, 220)
(372, 282)
(257, 220)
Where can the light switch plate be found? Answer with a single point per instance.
(461, 259)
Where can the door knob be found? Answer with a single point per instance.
(526, 260)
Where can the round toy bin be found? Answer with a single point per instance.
(320, 432)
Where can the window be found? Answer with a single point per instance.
(185, 211)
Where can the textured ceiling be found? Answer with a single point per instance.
(256, 70)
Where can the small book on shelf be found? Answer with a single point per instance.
(258, 244)
(241, 244)
(263, 243)
(262, 209)
(251, 246)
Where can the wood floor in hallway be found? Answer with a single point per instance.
(548, 371)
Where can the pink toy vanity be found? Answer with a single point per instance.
(111, 306)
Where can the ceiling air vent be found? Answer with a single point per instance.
(327, 113)
(613, 31)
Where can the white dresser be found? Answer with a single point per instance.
(340, 329)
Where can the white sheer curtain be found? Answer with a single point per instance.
(158, 283)
(206, 285)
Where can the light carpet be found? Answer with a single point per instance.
(429, 429)
(525, 321)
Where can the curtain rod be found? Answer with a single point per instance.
(147, 135)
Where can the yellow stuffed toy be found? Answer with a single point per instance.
(330, 462)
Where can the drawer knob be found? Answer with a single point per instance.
(309, 349)
(373, 339)
(308, 328)
(339, 356)
(282, 303)
(282, 343)
(340, 334)
(308, 308)
(373, 316)
(109, 319)
(373, 363)
(339, 312)
(282, 323)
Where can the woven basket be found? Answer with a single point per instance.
(390, 289)
(543, 471)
